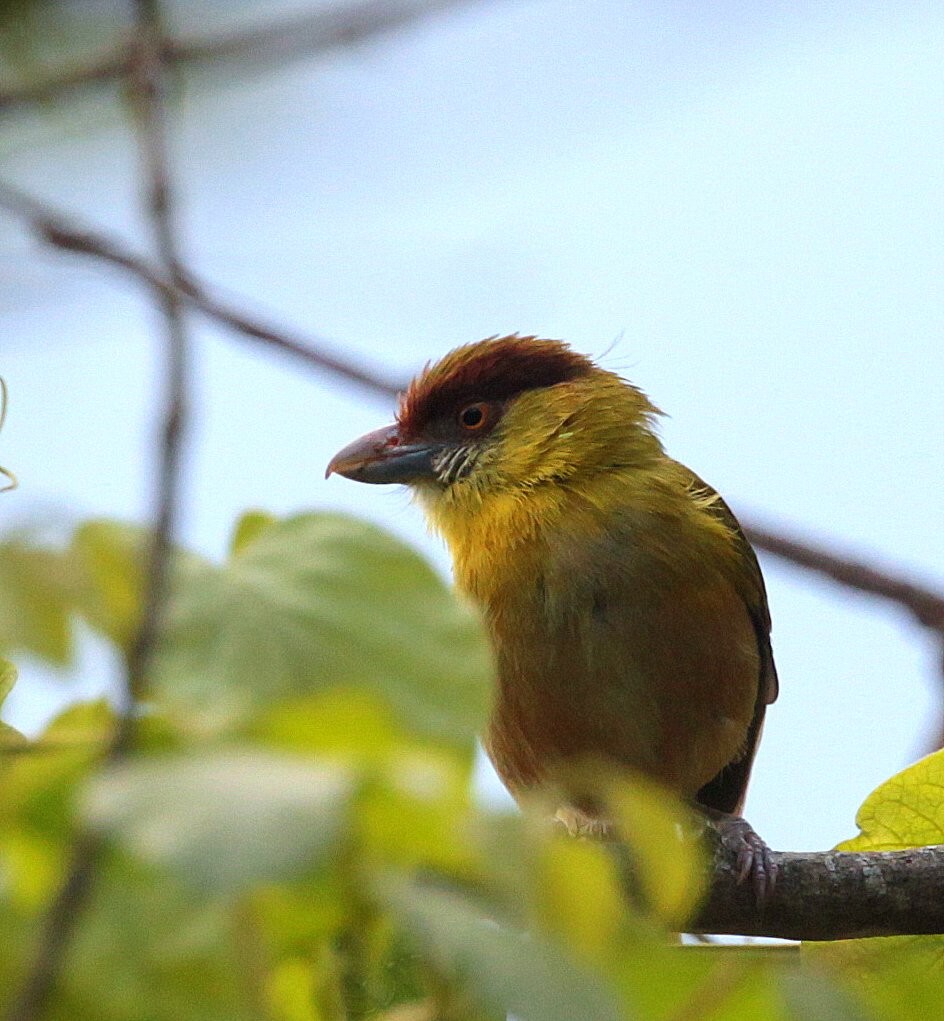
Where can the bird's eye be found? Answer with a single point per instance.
(474, 417)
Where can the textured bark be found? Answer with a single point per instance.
(831, 895)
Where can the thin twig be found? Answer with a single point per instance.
(150, 116)
(61, 231)
(61, 920)
(293, 38)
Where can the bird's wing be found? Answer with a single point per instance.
(727, 790)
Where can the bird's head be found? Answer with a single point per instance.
(502, 415)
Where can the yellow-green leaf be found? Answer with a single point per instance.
(579, 896)
(10, 737)
(322, 601)
(667, 859)
(905, 811)
(110, 560)
(898, 978)
(248, 528)
(35, 594)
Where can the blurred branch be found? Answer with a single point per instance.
(61, 231)
(147, 82)
(63, 915)
(290, 39)
(831, 895)
(57, 229)
(925, 605)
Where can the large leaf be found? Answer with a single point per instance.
(667, 858)
(905, 811)
(415, 804)
(319, 601)
(226, 821)
(109, 561)
(40, 777)
(660, 856)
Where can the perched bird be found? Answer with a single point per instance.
(625, 607)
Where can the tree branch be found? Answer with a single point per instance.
(59, 230)
(925, 605)
(305, 35)
(59, 924)
(147, 94)
(831, 895)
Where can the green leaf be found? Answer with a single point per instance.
(7, 679)
(658, 841)
(415, 811)
(226, 821)
(39, 779)
(811, 996)
(503, 971)
(110, 561)
(579, 896)
(35, 594)
(321, 601)
(902, 973)
(905, 811)
(148, 949)
(249, 527)
(897, 978)
(415, 803)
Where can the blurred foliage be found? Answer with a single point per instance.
(294, 837)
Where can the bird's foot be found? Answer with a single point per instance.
(581, 824)
(752, 856)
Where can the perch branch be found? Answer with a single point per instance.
(832, 895)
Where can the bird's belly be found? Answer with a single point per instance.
(666, 694)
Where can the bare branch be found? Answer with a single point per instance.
(925, 605)
(58, 927)
(832, 895)
(60, 922)
(61, 231)
(305, 35)
(148, 98)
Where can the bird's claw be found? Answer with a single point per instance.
(753, 857)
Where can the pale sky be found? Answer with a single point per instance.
(740, 203)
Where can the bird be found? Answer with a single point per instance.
(625, 608)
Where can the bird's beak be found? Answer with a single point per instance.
(382, 456)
